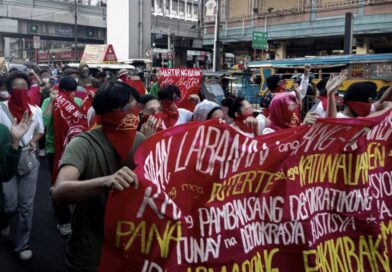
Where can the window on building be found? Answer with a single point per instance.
(188, 10)
(167, 7)
(194, 10)
(159, 7)
(174, 7)
(181, 9)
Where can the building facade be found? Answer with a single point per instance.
(176, 39)
(54, 23)
(298, 28)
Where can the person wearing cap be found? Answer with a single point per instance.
(68, 85)
(358, 99)
(123, 75)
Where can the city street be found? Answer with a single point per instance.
(46, 242)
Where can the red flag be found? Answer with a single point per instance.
(68, 120)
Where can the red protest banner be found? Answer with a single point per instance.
(68, 120)
(210, 199)
(188, 80)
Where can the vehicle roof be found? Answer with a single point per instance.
(136, 60)
(324, 60)
(104, 66)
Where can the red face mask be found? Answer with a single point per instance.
(170, 113)
(293, 122)
(157, 115)
(19, 102)
(120, 129)
(239, 121)
(361, 109)
(124, 78)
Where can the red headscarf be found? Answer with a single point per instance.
(279, 114)
(19, 103)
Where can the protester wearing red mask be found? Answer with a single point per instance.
(171, 114)
(241, 111)
(150, 116)
(63, 119)
(19, 192)
(94, 163)
(133, 81)
(358, 99)
(284, 113)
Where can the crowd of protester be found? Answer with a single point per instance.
(95, 155)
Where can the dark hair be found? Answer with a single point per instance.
(15, 75)
(70, 71)
(44, 71)
(361, 92)
(3, 80)
(273, 81)
(144, 99)
(321, 86)
(234, 105)
(168, 92)
(113, 95)
(68, 83)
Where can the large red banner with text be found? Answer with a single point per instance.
(212, 200)
(188, 80)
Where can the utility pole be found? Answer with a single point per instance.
(216, 63)
(76, 30)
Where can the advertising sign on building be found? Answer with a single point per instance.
(99, 53)
(36, 42)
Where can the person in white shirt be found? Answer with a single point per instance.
(19, 192)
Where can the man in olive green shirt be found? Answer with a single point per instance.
(94, 163)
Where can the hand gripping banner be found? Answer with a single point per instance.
(212, 200)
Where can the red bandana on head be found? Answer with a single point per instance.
(280, 115)
(120, 129)
(170, 113)
(361, 109)
(239, 121)
(19, 103)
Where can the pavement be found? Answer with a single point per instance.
(46, 242)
